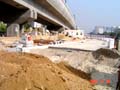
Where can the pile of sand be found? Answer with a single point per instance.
(32, 72)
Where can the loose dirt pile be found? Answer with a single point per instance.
(106, 52)
(107, 57)
(32, 72)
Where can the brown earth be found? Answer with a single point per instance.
(21, 71)
(106, 53)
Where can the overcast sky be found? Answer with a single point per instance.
(90, 13)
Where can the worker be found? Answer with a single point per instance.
(118, 83)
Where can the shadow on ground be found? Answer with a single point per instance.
(74, 71)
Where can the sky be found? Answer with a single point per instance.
(91, 13)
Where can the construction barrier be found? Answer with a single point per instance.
(111, 43)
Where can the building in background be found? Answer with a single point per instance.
(103, 29)
(98, 30)
(116, 29)
(64, 1)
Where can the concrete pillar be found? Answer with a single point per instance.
(61, 29)
(35, 32)
(22, 29)
(13, 30)
(44, 30)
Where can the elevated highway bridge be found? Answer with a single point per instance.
(53, 13)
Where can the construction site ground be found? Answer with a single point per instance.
(69, 69)
(100, 65)
(84, 45)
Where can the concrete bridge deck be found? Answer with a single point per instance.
(53, 13)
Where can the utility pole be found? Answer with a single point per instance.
(75, 21)
(65, 1)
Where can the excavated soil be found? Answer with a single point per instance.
(107, 57)
(21, 71)
(106, 53)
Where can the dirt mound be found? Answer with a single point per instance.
(33, 72)
(106, 53)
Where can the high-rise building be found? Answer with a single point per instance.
(99, 30)
(64, 1)
(102, 29)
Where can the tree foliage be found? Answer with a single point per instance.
(26, 26)
(3, 27)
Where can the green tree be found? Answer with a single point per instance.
(3, 27)
(26, 26)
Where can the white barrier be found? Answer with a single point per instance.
(111, 43)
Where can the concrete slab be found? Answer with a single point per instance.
(86, 45)
(27, 49)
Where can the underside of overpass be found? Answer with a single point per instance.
(46, 12)
(9, 14)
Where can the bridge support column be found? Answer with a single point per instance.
(61, 29)
(14, 29)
